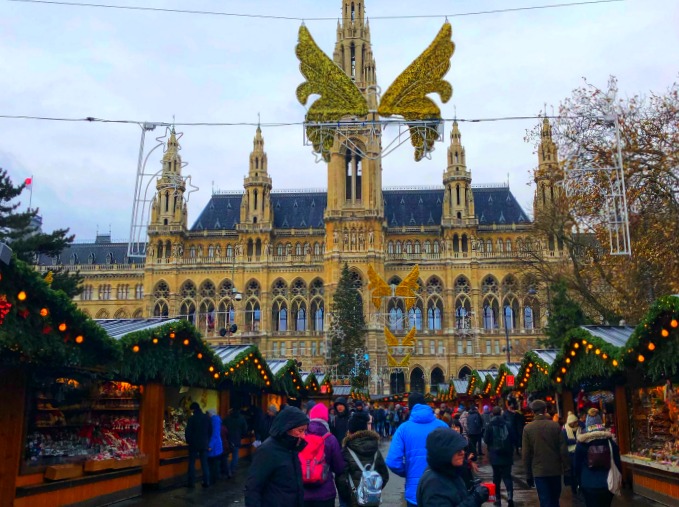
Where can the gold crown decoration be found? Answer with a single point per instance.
(406, 97)
(393, 363)
(406, 289)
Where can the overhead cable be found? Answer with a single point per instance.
(301, 18)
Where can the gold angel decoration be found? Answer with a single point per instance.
(406, 97)
(392, 341)
(393, 363)
(406, 289)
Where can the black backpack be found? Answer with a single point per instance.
(474, 424)
(598, 456)
(501, 443)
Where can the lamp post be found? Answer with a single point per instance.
(508, 347)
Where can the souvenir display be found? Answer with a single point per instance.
(655, 425)
(177, 411)
(71, 423)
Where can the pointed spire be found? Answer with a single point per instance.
(547, 153)
(455, 136)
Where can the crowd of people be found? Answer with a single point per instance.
(310, 457)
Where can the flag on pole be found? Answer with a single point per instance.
(28, 182)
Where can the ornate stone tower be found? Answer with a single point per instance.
(355, 208)
(458, 202)
(548, 174)
(168, 211)
(256, 218)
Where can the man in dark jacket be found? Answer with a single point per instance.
(238, 427)
(275, 475)
(264, 425)
(339, 429)
(516, 421)
(545, 455)
(475, 430)
(198, 432)
(441, 484)
(500, 442)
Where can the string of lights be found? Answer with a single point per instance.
(297, 18)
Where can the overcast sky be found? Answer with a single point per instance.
(77, 62)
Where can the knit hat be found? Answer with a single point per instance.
(486, 409)
(596, 427)
(358, 422)
(416, 399)
(572, 418)
(319, 411)
(310, 404)
(593, 418)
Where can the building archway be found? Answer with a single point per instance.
(397, 382)
(436, 378)
(464, 372)
(417, 380)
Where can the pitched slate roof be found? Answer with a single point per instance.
(460, 385)
(228, 353)
(408, 207)
(546, 355)
(95, 253)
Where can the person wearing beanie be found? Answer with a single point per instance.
(309, 405)
(264, 426)
(545, 456)
(364, 443)
(275, 475)
(408, 452)
(323, 495)
(441, 484)
(499, 438)
(571, 430)
(339, 429)
(486, 416)
(596, 447)
(593, 418)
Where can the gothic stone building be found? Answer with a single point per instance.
(269, 261)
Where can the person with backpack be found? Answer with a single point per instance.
(321, 460)
(571, 430)
(408, 452)
(364, 463)
(594, 453)
(275, 475)
(441, 484)
(545, 456)
(475, 430)
(500, 442)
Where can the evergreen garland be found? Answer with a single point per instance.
(500, 382)
(579, 358)
(43, 327)
(249, 368)
(475, 383)
(311, 385)
(173, 354)
(656, 340)
(534, 374)
(288, 379)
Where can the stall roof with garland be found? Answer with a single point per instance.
(41, 327)
(589, 354)
(534, 370)
(475, 382)
(489, 377)
(500, 382)
(245, 366)
(286, 373)
(342, 390)
(655, 341)
(460, 386)
(173, 354)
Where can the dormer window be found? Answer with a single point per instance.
(91, 258)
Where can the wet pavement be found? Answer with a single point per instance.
(230, 492)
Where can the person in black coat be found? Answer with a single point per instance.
(501, 454)
(516, 422)
(198, 432)
(441, 484)
(594, 481)
(339, 429)
(275, 475)
(365, 444)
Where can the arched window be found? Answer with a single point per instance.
(528, 318)
(434, 314)
(211, 251)
(299, 314)
(490, 313)
(298, 249)
(508, 245)
(415, 316)
(436, 247)
(390, 247)
(398, 247)
(317, 314)
(463, 310)
(279, 249)
(229, 250)
(280, 315)
(160, 309)
(409, 247)
(418, 248)
(396, 319)
(427, 247)
(317, 249)
(253, 316)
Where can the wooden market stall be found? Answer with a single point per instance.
(174, 367)
(651, 360)
(460, 387)
(57, 369)
(288, 380)
(533, 381)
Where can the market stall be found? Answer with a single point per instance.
(460, 390)
(533, 379)
(63, 407)
(174, 367)
(651, 357)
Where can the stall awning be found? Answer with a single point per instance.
(341, 390)
(227, 353)
(460, 386)
(615, 335)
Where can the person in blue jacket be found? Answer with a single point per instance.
(408, 451)
(216, 448)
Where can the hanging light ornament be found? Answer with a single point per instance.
(674, 323)
(79, 339)
(665, 333)
(21, 296)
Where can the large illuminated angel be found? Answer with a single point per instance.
(406, 97)
(406, 289)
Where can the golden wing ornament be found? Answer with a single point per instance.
(407, 288)
(393, 363)
(409, 340)
(339, 95)
(407, 96)
(389, 337)
(377, 287)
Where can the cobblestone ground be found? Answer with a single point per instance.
(230, 492)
